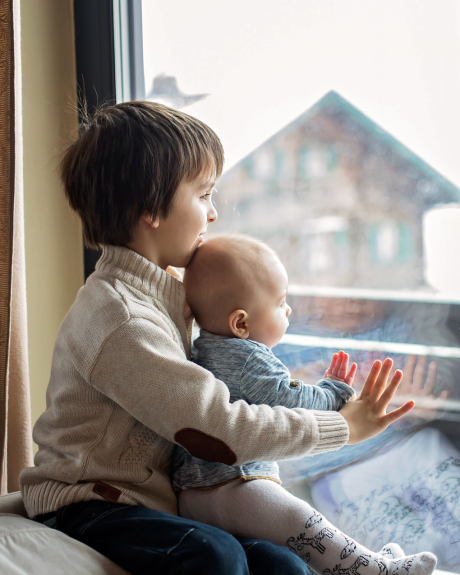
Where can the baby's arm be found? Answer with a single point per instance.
(366, 416)
(265, 380)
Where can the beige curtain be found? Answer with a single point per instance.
(15, 427)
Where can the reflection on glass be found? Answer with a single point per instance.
(403, 328)
(341, 127)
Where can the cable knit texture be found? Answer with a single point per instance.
(122, 386)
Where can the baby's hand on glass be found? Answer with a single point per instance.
(338, 369)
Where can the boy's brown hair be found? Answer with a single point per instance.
(128, 160)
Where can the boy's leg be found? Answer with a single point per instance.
(266, 558)
(143, 541)
(263, 509)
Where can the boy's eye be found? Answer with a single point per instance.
(207, 194)
(283, 304)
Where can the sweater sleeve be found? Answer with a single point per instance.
(266, 380)
(142, 368)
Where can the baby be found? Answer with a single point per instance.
(236, 288)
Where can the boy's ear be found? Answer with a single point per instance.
(238, 323)
(152, 222)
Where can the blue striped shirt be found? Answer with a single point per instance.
(254, 374)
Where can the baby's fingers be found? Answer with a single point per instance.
(342, 365)
(333, 364)
(396, 414)
(351, 374)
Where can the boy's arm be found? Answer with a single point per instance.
(265, 380)
(142, 368)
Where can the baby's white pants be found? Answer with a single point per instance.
(262, 509)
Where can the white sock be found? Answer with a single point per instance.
(263, 509)
(392, 551)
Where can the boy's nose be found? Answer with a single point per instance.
(288, 311)
(212, 214)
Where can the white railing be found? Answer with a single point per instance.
(370, 345)
(374, 294)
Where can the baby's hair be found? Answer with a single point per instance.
(128, 160)
(223, 276)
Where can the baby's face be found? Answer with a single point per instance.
(268, 320)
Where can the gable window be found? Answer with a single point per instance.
(390, 243)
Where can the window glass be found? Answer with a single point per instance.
(341, 126)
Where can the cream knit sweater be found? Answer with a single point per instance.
(122, 391)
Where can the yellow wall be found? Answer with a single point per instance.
(54, 259)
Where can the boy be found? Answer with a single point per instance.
(236, 288)
(122, 390)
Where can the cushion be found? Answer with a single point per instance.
(27, 547)
(13, 503)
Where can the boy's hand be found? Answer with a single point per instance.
(339, 368)
(367, 416)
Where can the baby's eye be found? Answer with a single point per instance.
(283, 304)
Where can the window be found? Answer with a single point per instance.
(341, 126)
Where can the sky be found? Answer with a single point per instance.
(265, 62)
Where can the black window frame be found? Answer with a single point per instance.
(109, 61)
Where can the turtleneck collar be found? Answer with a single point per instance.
(138, 272)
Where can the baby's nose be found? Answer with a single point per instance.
(288, 311)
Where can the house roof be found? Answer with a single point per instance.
(341, 110)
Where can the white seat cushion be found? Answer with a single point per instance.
(13, 503)
(29, 548)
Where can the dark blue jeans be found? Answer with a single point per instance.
(143, 542)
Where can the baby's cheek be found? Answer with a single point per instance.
(279, 328)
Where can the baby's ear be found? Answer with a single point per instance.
(238, 323)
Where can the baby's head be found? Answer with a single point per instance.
(236, 286)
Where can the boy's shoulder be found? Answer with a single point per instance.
(97, 307)
(103, 305)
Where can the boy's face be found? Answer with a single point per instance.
(268, 321)
(183, 230)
